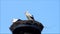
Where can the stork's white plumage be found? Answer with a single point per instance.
(14, 20)
(29, 16)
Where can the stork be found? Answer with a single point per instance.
(14, 20)
(29, 16)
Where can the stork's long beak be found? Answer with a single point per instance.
(26, 12)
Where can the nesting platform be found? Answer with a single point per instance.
(26, 27)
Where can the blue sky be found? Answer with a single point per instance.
(44, 11)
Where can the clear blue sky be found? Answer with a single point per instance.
(44, 11)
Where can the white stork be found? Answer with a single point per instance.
(14, 20)
(29, 16)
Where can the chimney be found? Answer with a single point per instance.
(26, 27)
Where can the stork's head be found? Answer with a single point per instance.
(27, 13)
